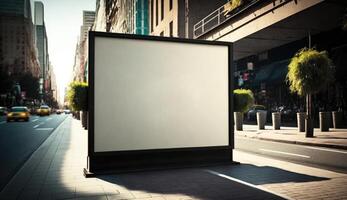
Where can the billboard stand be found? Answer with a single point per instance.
(158, 102)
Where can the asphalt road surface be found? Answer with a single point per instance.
(18, 140)
(327, 158)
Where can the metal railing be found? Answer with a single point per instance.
(217, 17)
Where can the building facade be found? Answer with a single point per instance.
(175, 18)
(42, 47)
(81, 51)
(267, 34)
(17, 48)
(141, 22)
(88, 21)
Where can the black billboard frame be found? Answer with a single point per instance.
(139, 160)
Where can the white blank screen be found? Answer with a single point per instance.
(159, 95)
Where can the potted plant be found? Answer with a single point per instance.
(77, 97)
(309, 72)
(243, 100)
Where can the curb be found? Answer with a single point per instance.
(301, 143)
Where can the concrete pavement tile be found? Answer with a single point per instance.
(176, 197)
(140, 194)
(62, 195)
(29, 195)
(153, 198)
(121, 196)
(109, 190)
(92, 198)
(89, 191)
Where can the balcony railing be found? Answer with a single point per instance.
(218, 17)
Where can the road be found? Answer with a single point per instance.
(331, 159)
(18, 140)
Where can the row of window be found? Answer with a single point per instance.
(157, 12)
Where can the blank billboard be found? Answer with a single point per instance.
(159, 94)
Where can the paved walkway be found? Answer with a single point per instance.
(335, 138)
(54, 171)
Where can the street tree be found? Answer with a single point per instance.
(309, 71)
(77, 96)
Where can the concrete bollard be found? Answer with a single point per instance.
(276, 120)
(261, 119)
(324, 121)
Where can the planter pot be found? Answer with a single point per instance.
(238, 120)
(276, 120)
(301, 121)
(324, 121)
(337, 119)
(84, 119)
(77, 113)
(87, 120)
(261, 119)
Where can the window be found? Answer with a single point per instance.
(156, 12)
(171, 29)
(162, 33)
(170, 4)
(162, 9)
(152, 15)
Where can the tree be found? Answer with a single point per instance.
(77, 96)
(309, 71)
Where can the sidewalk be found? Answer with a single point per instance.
(55, 171)
(335, 138)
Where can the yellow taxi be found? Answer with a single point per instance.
(18, 113)
(44, 110)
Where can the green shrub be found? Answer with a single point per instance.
(77, 96)
(309, 71)
(243, 100)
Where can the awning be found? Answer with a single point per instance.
(271, 73)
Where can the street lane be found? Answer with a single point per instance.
(18, 140)
(332, 159)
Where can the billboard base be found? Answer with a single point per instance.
(147, 160)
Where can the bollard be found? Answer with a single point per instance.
(276, 120)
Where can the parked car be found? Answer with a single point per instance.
(252, 112)
(3, 111)
(59, 111)
(67, 111)
(18, 113)
(44, 110)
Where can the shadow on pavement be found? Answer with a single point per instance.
(221, 182)
(259, 175)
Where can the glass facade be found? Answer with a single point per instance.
(141, 17)
(15, 7)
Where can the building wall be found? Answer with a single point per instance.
(39, 13)
(17, 48)
(161, 15)
(100, 16)
(120, 16)
(141, 23)
(183, 15)
(88, 21)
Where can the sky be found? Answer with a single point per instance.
(63, 19)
